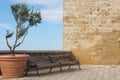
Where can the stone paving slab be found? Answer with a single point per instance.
(88, 72)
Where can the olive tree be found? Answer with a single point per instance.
(25, 18)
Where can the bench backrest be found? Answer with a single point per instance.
(55, 58)
(40, 59)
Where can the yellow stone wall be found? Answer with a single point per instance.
(92, 30)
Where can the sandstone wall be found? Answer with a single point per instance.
(92, 30)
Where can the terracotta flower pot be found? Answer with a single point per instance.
(13, 66)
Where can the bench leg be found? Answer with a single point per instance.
(50, 69)
(69, 67)
(37, 71)
(61, 68)
(78, 63)
(79, 66)
(26, 72)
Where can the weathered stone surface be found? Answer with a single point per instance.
(92, 30)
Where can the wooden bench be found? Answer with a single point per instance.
(51, 61)
(65, 60)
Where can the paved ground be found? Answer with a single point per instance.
(96, 72)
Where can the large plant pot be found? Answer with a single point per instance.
(13, 66)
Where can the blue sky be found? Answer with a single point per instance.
(46, 36)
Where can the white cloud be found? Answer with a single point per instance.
(6, 26)
(52, 12)
(52, 16)
(46, 3)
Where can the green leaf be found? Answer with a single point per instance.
(20, 12)
(8, 35)
(22, 32)
(34, 18)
